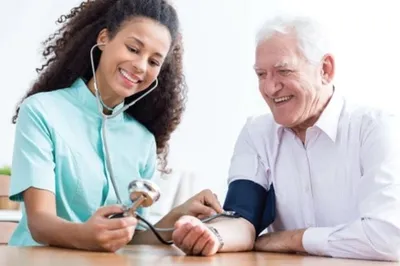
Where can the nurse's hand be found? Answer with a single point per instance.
(103, 234)
(201, 205)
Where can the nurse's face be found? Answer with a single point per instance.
(131, 60)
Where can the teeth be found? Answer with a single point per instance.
(126, 75)
(282, 99)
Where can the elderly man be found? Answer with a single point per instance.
(321, 174)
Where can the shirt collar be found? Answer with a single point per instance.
(328, 121)
(89, 101)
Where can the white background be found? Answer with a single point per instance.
(219, 44)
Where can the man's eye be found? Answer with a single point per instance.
(285, 72)
(260, 74)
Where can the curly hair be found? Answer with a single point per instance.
(67, 55)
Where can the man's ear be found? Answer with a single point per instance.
(102, 38)
(327, 69)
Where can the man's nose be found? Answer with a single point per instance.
(270, 87)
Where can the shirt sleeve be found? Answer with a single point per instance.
(375, 234)
(248, 186)
(32, 162)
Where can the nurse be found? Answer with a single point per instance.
(60, 172)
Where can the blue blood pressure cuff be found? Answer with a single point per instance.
(252, 202)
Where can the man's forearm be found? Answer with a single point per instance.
(237, 234)
(284, 241)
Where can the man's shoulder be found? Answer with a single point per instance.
(261, 129)
(366, 115)
(261, 123)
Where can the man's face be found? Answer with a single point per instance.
(289, 84)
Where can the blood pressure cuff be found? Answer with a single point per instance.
(252, 202)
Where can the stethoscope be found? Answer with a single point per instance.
(142, 193)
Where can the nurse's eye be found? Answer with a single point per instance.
(154, 63)
(132, 49)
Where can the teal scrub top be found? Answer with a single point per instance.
(59, 147)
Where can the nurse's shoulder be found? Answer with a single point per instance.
(47, 105)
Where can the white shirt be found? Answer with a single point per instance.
(343, 184)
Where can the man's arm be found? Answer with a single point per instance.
(249, 195)
(237, 234)
(375, 234)
(254, 211)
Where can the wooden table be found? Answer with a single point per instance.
(158, 255)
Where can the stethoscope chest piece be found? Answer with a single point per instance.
(143, 193)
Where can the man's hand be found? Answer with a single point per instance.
(194, 238)
(285, 242)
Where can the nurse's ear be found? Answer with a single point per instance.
(102, 39)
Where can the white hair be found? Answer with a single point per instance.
(311, 35)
